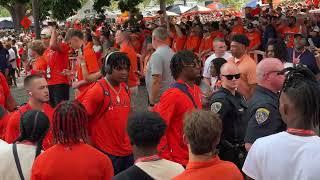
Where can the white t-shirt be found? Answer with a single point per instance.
(284, 156)
(8, 168)
(12, 55)
(207, 63)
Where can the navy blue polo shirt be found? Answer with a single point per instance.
(307, 58)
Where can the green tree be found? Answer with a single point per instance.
(124, 5)
(4, 12)
(236, 4)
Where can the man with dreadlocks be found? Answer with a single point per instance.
(37, 90)
(292, 154)
(71, 157)
(182, 97)
(17, 158)
(108, 103)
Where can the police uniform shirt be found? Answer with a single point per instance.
(231, 109)
(263, 114)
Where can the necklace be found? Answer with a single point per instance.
(112, 88)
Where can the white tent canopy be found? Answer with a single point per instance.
(199, 9)
(85, 11)
(315, 11)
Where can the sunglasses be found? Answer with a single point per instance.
(231, 76)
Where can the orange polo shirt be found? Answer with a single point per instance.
(13, 126)
(206, 44)
(77, 161)
(172, 107)
(214, 169)
(193, 43)
(254, 38)
(247, 68)
(91, 63)
(131, 53)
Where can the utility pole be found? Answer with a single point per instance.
(36, 17)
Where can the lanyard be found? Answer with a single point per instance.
(296, 60)
(148, 158)
(301, 132)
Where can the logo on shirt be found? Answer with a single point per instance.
(215, 107)
(262, 115)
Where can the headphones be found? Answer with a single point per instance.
(107, 67)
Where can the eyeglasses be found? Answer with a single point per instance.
(231, 76)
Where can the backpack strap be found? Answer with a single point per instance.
(183, 88)
(16, 159)
(106, 93)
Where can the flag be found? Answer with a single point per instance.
(25, 22)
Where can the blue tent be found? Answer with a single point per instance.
(251, 3)
(5, 24)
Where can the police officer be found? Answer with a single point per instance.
(231, 106)
(263, 109)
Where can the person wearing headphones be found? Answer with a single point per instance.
(107, 102)
(37, 90)
(17, 158)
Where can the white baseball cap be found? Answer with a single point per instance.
(46, 32)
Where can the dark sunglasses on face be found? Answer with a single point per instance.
(231, 76)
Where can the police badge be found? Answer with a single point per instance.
(262, 115)
(215, 107)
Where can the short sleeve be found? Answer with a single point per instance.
(92, 98)
(156, 64)
(5, 86)
(206, 68)
(13, 130)
(263, 121)
(251, 72)
(221, 107)
(251, 166)
(91, 61)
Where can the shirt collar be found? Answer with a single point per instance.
(267, 91)
(198, 165)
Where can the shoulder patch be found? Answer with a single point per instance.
(262, 115)
(215, 107)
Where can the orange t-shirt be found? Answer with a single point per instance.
(172, 145)
(206, 44)
(57, 62)
(254, 38)
(3, 125)
(238, 29)
(91, 62)
(193, 43)
(77, 161)
(217, 34)
(289, 33)
(247, 68)
(4, 90)
(39, 66)
(178, 43)
(107, 127)
(13, 126)
(214, 169)
(131, 53)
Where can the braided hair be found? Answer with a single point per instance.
(302, 88)
(34, 126)
(70, 121)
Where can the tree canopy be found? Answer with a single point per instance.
(124, 5)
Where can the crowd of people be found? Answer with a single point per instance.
(216, 109)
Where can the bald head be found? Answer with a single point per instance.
(268, 65)
(229, 68)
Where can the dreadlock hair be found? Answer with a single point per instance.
(70, 121)
(34, 126)
(179, 60)
(302, 89)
